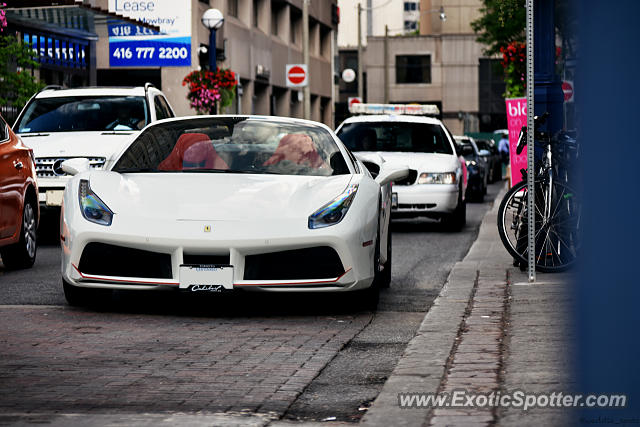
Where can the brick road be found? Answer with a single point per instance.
(58, 359)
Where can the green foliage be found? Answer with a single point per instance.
(17, 84)
(502, 22)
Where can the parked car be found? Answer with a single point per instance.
(489, 151)
(215, 203)
(19, 210)
(95, 123)
(477, 167)
(435, 186)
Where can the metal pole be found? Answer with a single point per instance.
(238, 95)
(386, 64)
(530, 147)
(305, 54)
(212, 50)
(360, 65)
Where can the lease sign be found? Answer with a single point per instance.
(135, 46)
(516, 118)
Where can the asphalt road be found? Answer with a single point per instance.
(294, 357)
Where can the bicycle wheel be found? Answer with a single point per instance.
(557, 239)
(512, 222)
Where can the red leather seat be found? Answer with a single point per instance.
(193, 151)
(297, 148)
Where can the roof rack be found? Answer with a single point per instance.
(409, 109)
(147, 85)
(52, 87)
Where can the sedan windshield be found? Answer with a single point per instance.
(84, 113)
(234, 145)
(395, 136)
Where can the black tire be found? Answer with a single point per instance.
(557, 241)
(385, 276)
(23, 253)
(458, 218)
(78, 296)
(75, 295)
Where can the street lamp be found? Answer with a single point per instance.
(213, 20)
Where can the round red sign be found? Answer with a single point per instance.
(296, 75)
(567, 89)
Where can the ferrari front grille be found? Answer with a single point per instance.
(111, 260)
(320, 262)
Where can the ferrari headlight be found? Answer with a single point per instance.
(333, 212)
(437, 178)
(92, 208)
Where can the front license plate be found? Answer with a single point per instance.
(54, 198)
(394, 200)
(206, 278)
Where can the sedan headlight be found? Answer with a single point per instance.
(471, 163)
(92, 208)
(437, 178)
(333, 212)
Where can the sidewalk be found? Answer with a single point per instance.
(489, 330)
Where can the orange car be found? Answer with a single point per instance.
(19, 209)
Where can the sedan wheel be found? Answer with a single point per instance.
(23, 253)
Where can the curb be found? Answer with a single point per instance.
(423, 364)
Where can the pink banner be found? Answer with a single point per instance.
(516, 118)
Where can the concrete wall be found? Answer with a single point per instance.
(454, 74)
(384, 12)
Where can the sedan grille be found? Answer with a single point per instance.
(409, 180)
(320, 262)
(111, 260)
(49, 167)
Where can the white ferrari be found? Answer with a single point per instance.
(216, 203)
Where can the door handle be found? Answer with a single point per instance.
(18, 165)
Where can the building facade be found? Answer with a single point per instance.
(442, 65)
(257, 40)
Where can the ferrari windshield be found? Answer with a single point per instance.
(84, 113)
(234, 145)
(413, 137)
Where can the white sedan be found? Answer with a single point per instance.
(215, 203)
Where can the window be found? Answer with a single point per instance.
(162, 109)
(413, 69)
(408, 137)
(274, 22)
(232, 8)
(256, 13)
(4, 132)
(410, 25)
(204, 1)
(410, 6)
(84, 113)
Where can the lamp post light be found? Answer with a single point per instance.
(213, 20)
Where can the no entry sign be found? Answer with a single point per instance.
(567, 89)
(297, 75)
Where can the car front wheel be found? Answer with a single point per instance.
(456, 220)
(23, 253)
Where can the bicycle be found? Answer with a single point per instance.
(557, 205)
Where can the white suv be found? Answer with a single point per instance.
(436, 183)
(94, 122)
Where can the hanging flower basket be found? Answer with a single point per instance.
(210, 90)
(514, 62)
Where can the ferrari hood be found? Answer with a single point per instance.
(78, 144)
(215, 196)
(421, 162)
